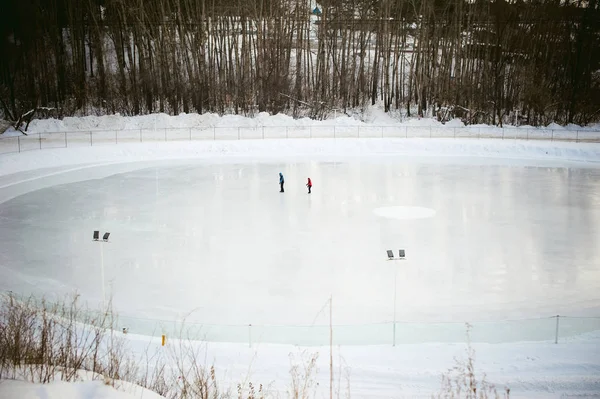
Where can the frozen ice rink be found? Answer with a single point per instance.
(218, 243)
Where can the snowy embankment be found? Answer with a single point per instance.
(370, 123)
(529, 370)
(372, 117)
(87, 388)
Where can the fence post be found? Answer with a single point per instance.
(66, 140)
(556, 334)
(116, 137)
(249, 335)
(40, 137)
(91, 139)
(19, 142)
(577, 137)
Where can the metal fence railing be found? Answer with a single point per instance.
(556, 329)
(40, 141)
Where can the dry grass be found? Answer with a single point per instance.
(42, 341)
(464, 382)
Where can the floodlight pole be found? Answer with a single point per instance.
(102, 240)
(401, 256)
(395, 287)
(102, 271)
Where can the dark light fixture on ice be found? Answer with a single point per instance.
(401, 254)
(97, 236)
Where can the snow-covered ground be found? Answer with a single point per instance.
(530, 370)
(373, 117)
(88, 386)
(563, 177)
(94, 389)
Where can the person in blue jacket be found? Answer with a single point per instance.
(281, 181)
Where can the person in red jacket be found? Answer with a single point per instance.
(309, 185)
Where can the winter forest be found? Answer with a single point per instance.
(525, 62)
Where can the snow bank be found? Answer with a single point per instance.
(73, 390)
(371, 117)
(555, 126)
(531, 370)
(87, 385)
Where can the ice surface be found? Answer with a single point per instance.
(219, 243)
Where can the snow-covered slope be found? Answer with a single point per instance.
(373, 117)
(87, 388)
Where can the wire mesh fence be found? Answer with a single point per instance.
(67, 139)
(557, 329)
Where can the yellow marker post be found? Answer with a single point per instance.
(164, 340)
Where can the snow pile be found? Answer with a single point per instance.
(72, 390)
(530, 370)
(455, 123)
(556, 126)
(372, 117)
(88, 385)
(162, 121)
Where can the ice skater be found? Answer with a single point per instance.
(309, 185)
(281, 181)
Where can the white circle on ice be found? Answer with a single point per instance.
(404, 212)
